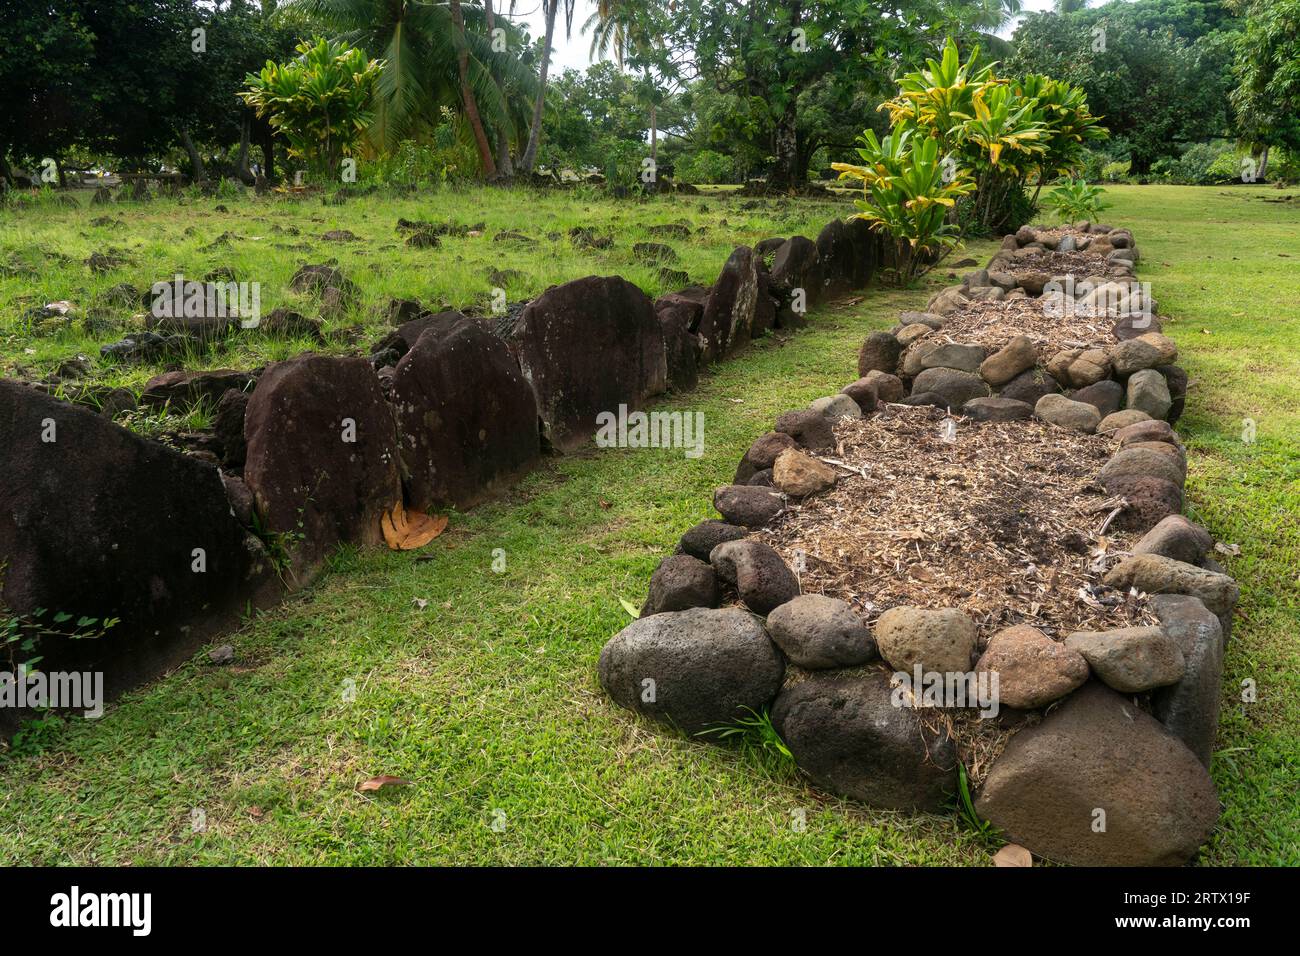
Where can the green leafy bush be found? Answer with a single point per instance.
(1074, 200)
(447, 158)
(1201, 164)
(706, 166)
(320, 100)
(907, 194)
(1117, 171)
(1005, 131)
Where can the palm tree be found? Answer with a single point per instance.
(632, 32)
(552, 9)
(467, 94)
(990, 17)
(505, 166)
(422, 46)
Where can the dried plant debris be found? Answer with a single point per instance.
(1002, 522)
(1061, 263)
(994, 324)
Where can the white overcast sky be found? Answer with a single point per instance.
(574, 51)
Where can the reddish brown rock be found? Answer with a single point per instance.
(323, 461)
(587, 347)
(1069, 788)
(1033, 670)
(467, 419)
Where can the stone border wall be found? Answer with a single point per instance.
(1109, 766)
(308, 454)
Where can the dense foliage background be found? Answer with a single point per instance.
(1192, 91)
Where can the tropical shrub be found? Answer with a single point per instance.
(1116, 171)
(907, 194)
(1073, 200)
(320, 100)
(1005, 131)
(1202, 164)
(445, 155)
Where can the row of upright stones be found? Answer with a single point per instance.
(1115, 772)
(308, 454)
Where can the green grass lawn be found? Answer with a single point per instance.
(485, 698)
(43, 255)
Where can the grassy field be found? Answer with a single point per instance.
(479, 687)
(44, 253)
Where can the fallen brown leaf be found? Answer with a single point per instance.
(383, 780)
(407, 530)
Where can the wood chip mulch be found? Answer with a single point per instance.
(1003, 522)
(994, 324)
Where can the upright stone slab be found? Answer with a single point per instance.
(730, 310)
(587, 347)
(1190, 708)
(681, 345)
(322, 459)
(467, 419)
(836, 253)
(797, 266)
(96, 521)
(866, 250)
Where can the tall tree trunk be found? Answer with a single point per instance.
(786, 173)
(241, 161)
(196, 161)
(535, 132)
(266, 140)
(467, 94)
(654, 134)
(1263, 166)
(505, 165)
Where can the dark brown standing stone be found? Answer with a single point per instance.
(467, 419)
(728, 320)
(846, 733)
(322, 455)
(797, 266)
(98, 521)
(836, 252)
(587, 347)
